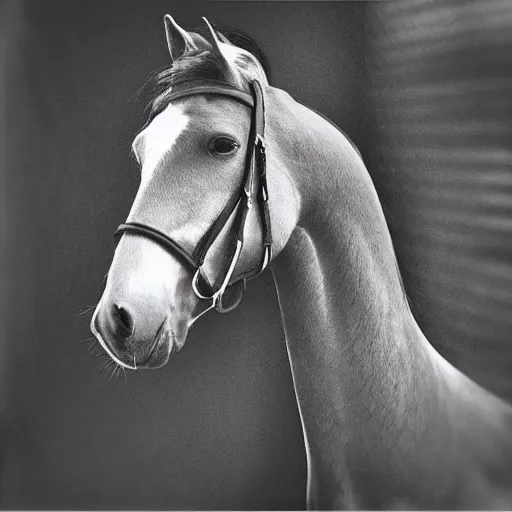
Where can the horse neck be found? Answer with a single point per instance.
(338, 281)
(368, 383)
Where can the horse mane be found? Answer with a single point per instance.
(247, 43)
(201, 64)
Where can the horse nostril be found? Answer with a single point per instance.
(123, 321)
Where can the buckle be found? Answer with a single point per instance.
(260, 142)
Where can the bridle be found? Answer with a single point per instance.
(241, 202)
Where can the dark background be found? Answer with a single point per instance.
(423, 89)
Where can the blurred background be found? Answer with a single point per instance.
(424, 89)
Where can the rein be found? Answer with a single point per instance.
(241, 202)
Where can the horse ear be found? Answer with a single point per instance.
(219, 44)
(223, 38)
(179, 40)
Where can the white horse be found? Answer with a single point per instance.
(388, 423)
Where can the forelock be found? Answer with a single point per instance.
(195, 65)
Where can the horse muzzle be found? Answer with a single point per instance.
(134, 339)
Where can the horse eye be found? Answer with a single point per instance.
(222, 146)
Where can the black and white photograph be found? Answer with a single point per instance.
(256, 255)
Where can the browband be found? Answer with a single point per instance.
(217, 87)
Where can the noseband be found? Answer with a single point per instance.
(240, 203)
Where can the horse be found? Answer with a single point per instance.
(236, 176)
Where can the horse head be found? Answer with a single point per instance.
(387, 421)
(197, 198)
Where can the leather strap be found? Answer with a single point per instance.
(241, 202)
(216, 87)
